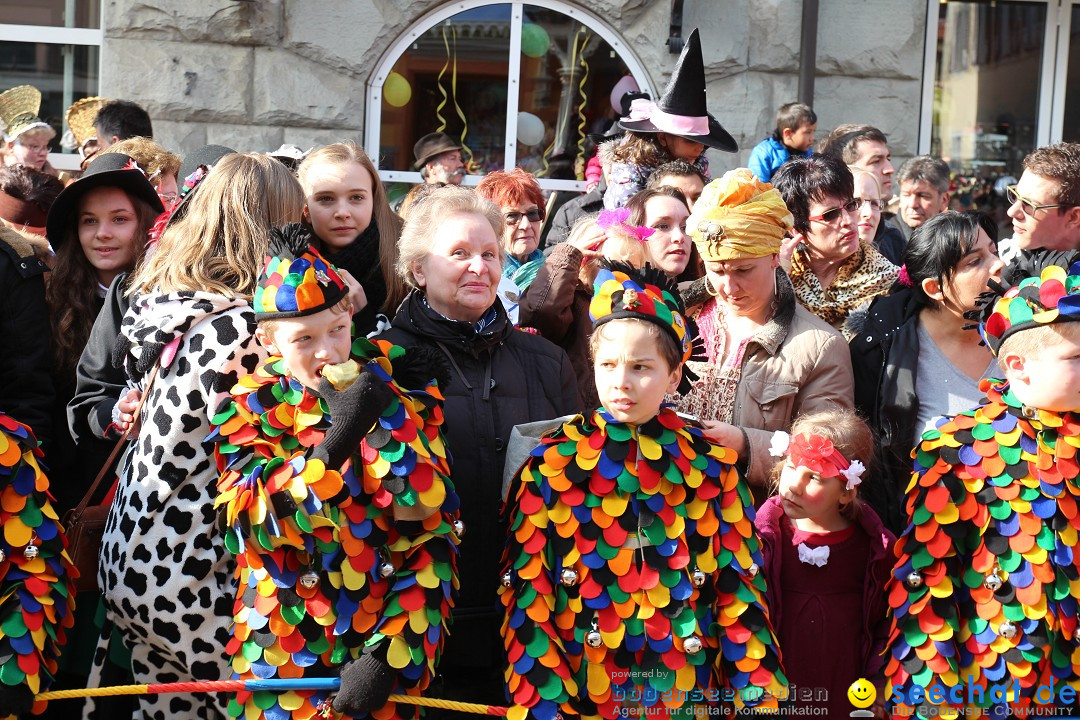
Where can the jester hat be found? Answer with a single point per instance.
(622, 291)
(1052, 296)
(296, 280)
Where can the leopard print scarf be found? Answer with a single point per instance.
(859, 279)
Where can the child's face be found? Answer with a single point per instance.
(681, 148)
(1050, 378)
(809, 497)
(801, 138)
(632, 376)
(338, 203)
(308, 343)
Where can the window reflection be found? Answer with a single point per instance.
(52, 13)
(42, 65)
(1071, 127)
(454, 74)
(987, 86)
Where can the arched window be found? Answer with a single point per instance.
(516, 84)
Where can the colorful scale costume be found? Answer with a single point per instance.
(987, 581)
(36, 597)
(631, 574)
(330, 561)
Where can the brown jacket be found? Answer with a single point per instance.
(796, 364)
(556, 304)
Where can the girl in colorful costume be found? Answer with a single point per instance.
(338, 503)
(827, 557)
(985, 590)
(37, 600)
(631, 571)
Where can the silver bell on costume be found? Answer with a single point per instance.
(753, 570)
(507, 580)
(993, 582)
(3, 556)
(459, 528)
(30, 552)
(914, 580)
(692, 645)
(568, 577)
(1008, 630)
(386, 569)
(697, 577)
(309, 579)
(593, 638)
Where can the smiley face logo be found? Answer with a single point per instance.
(862, 693)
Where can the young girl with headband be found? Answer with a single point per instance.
(827, 557)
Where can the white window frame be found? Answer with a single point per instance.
(373, 114)
(53, 35)
(1051, 109)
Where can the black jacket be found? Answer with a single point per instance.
(884, 359)
(587, 204)
(499, 378)
(26, 384)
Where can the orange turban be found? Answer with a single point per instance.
(738, 216)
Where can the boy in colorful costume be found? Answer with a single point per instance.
(631, 574)
(37, 600)
(338, 503)
(985, 589)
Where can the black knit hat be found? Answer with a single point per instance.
(683, 109)
(106, 170)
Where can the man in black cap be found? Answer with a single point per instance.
(438, 158)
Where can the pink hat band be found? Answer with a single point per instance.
(643, 109)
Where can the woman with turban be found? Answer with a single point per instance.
(769, 358)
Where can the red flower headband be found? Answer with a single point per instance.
(818, 454)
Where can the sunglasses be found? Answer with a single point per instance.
(831, 216)
(1028, 206)
(514, 218)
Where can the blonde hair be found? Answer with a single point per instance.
(848, 433)
(219, 245)
(1030, 342)
(156, 161)
(387, 222)
(619, 244)
(426, 217)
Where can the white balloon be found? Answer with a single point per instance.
(530, 130)
(626, 84)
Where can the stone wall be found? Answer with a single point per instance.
(253, 74)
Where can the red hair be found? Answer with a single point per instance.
(516, 187)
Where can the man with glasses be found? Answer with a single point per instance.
(924, 192)
(1045, 205)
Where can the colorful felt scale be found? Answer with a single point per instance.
(37, 600)
(987, 582)
(631, 575)
(332, 560)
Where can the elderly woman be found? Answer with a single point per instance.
(518, 197)
(499, 377)
(833, 272)
(917, 357)
(769, 358)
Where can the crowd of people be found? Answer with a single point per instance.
(673, 446)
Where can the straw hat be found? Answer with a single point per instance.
(19, 109)
(80, 118)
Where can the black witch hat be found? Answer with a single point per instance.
(682, 110)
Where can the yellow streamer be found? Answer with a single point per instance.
(472, 166)
(580, 175)
(438, 83)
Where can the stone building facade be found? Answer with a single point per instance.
(254, 74)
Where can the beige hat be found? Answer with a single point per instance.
(19, 109)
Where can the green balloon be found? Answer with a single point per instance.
(534, 40)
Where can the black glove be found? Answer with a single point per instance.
(353, 412)
(15, 699)
(366, 682)
(415, 369)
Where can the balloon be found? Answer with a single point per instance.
(530, 129)
(534, 40)
(626, 84)
(397, 90)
